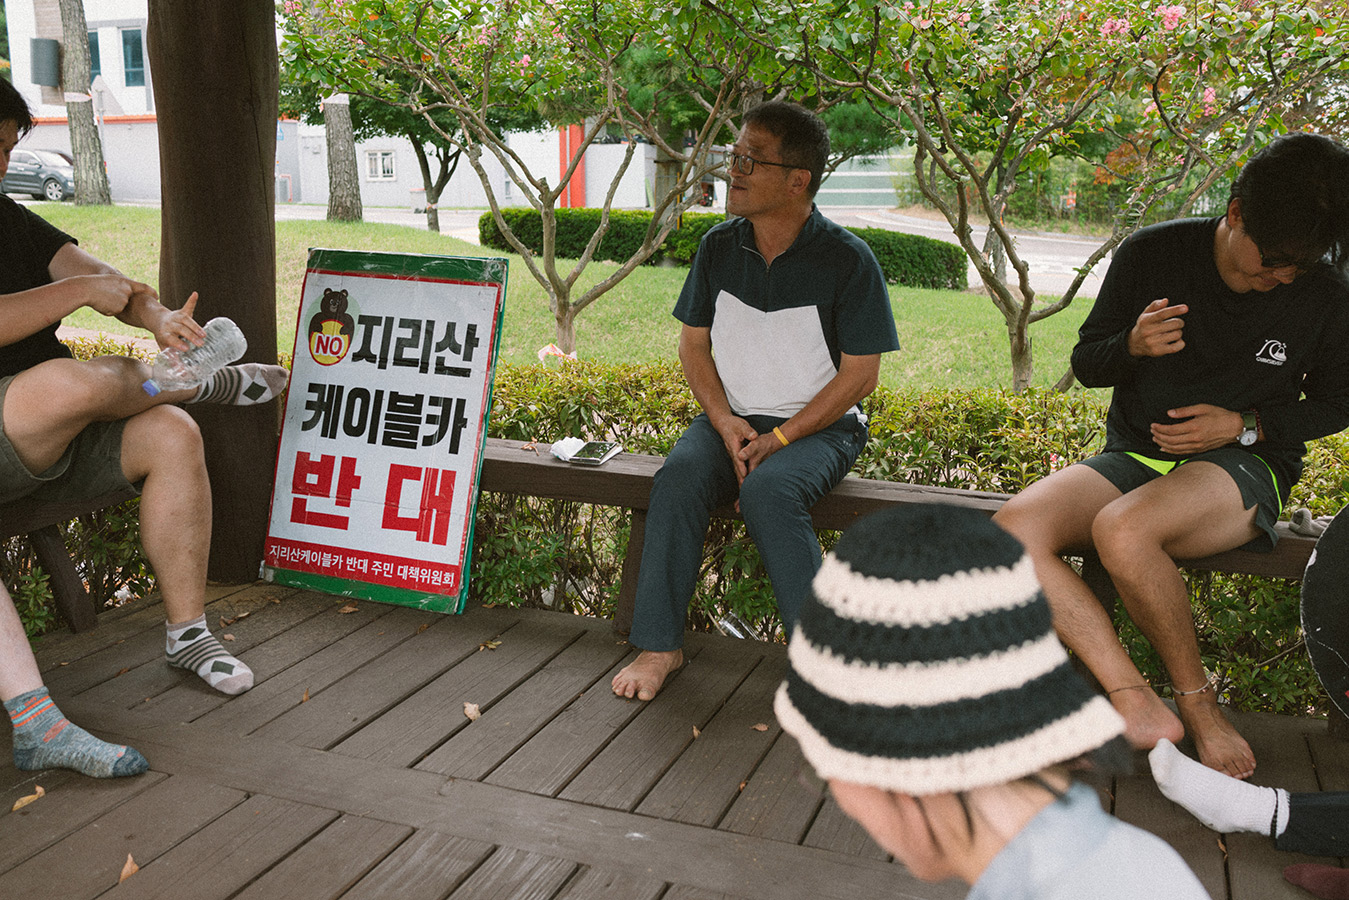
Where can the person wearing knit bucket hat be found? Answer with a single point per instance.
(926, 685)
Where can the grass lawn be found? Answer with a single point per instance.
(949, 339)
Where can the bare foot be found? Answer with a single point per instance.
(644, 676)
(1146, 718)
(1217, 742)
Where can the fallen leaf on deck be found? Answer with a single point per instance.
(19, 804)
(696, 732)
(122, 672)
(305, 698)
(489, 606)
(742, 785)
(489, 645)
(472, 712)
(63, 664)
(762, 726)
(128, 870)
(349, 608)
(227, 637)
(422, 627)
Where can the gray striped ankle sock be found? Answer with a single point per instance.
(191, 646)
(46, 739)
(243, 385)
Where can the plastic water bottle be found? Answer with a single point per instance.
(176, 370)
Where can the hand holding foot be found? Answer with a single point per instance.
(645, 676)
(1146, 718)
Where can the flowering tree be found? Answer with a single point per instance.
(991, 89)
(569, 61)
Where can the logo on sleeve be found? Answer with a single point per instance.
(1273, 353)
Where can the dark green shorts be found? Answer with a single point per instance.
(1258, 485)
(91, 465)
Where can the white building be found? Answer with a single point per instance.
(124, 104)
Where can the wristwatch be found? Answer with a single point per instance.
(1250, 428)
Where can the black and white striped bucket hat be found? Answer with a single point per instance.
(925, 660)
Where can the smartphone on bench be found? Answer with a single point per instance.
(593, 453)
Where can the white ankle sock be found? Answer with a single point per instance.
(1221, 802)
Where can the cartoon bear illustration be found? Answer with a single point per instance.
(331, 328)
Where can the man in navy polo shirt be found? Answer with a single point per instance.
(785, 316)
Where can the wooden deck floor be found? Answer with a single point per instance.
(350, 770)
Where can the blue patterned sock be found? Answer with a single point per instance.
(45, 739)
(191, 646)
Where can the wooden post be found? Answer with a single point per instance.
(215, 75)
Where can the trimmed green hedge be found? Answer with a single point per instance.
(569, 556)
(917, 261)
(907, 259)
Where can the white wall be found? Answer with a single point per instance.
(109, 18)
(131, 148)
(539, 152)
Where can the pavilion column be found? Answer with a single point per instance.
(215, 76)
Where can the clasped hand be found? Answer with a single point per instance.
(1201, 427)
(746, 447)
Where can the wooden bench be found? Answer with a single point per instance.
(514, 467)
(625, 481)
(40, 523)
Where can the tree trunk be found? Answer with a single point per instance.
(216, 83)
(344, 179)
(1022, 366)
(667, 169)
(565, 314)
(91, 178)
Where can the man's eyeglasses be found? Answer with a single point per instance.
(746, 163)
(1283, 262)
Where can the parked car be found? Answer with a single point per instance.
(44, 174)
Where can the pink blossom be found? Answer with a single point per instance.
(963, 18)
(1210, 101)
(1170, 16)
(1114, 26)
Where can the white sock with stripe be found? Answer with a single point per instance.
(191, 646)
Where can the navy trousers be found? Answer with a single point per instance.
(775, 501)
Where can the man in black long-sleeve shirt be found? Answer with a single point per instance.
(1227, 343)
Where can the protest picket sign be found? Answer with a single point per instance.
(385, 425)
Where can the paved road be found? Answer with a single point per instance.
(1053, 258)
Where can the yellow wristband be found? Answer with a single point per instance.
(782, 437)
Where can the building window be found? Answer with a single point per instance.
(133, 57)
(95, 64)
(379, 165)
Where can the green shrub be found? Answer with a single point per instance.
(907, 259)
(569, 556)
(917, 261)
(978, 440)
(575, 227)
